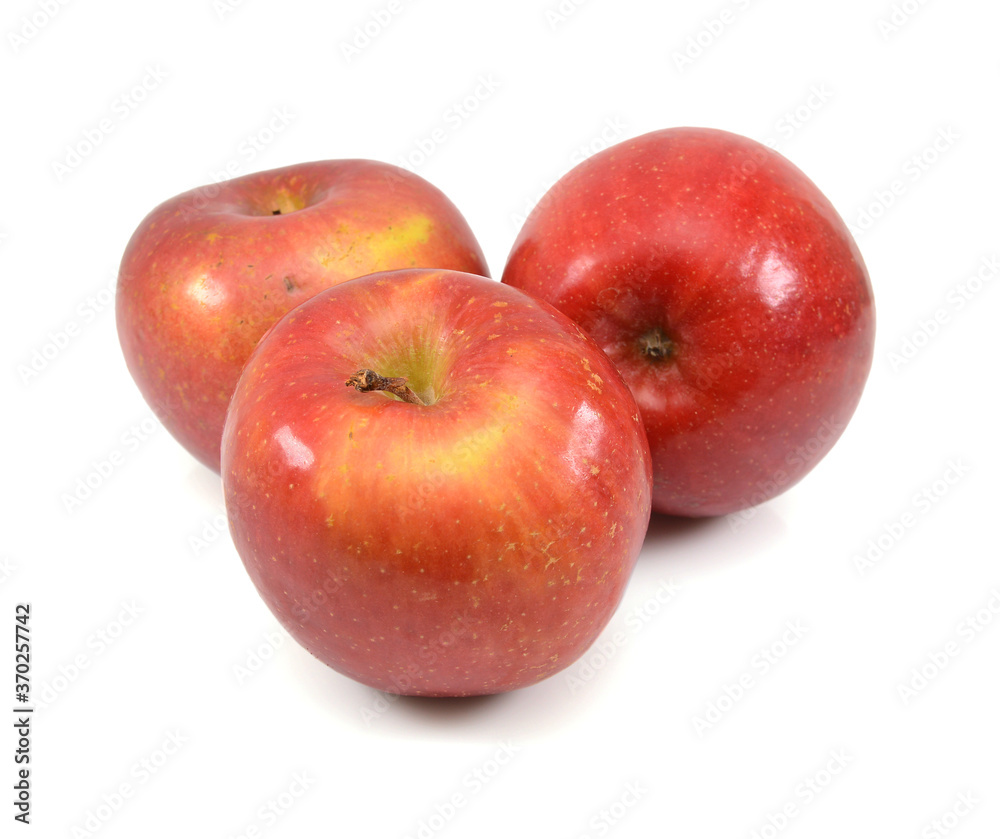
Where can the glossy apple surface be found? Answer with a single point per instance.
(727, 291)
(209, 271)
(473, 544)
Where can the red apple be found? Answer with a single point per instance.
(464, 517)
(207, 272)
(729, 294)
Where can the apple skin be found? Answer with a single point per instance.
(727, 291)
(207, 272)
(471, 545)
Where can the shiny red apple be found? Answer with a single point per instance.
(209, 271)
(727, 291)
(438, 484)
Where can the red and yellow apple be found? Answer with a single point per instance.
(728, 292)
(438, 484)
(208, 272)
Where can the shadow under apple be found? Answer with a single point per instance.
(697, 545)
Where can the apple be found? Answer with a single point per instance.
(727, 291)
(208, 272)
(438, 484)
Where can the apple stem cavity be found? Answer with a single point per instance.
(655, 345)
(367, 381)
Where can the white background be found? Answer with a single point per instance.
(146, 630)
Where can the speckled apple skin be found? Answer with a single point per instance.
(469, 546)
(208, 272)
(731, 252)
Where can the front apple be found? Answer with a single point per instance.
(727, 291)
(207, 272)
(437, 484)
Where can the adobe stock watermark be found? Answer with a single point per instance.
(913, 170)
(612, 131)
(103, 468)
(558, 13)
(277, 807)
(95, 645)
(796, 118)
(785, 127)
(224, 8)
(796, 460)
(803, 794)
(58, 340)
(955, 300)
(467, 451)
(920, 505)
(473, 782)
(936, 661)
(7, 569)
(376, 22)
(209, 533)
(604, 650)
(456, 115)
(946, 824)
(139, 774)
(605, 820)
(256, 657)
(247, 150)
(121, 108)
(428, 656)
(898, 17)
(31, 25)
(736, 689)
(699, 42)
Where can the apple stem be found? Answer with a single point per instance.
(367, 381)
(655, 345)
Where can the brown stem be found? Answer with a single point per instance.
(655, 345)
(368, 380)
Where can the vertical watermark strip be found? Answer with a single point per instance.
(23, 713)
